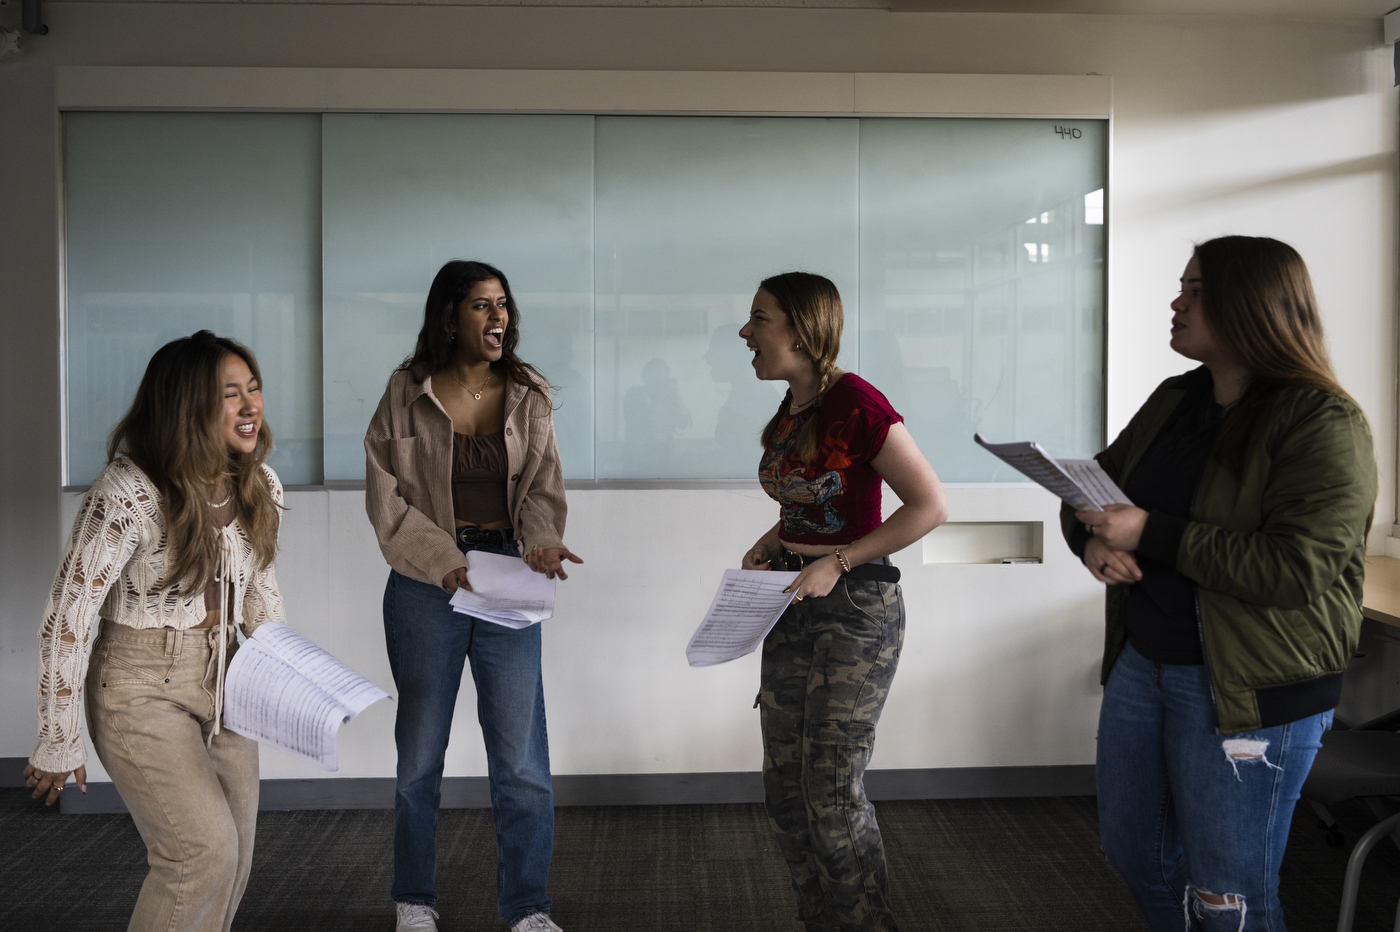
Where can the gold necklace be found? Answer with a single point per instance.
(794, 408)
(227, 499)
(475, 394)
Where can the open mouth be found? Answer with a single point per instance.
(249, 430)
(494, 337)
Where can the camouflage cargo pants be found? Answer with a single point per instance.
(827, 668)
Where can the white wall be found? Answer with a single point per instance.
(1285, 129)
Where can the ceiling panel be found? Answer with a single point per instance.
(1311, 9)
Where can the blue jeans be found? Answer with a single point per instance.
(428, 644)
(1185, 812)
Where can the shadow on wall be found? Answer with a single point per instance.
(1379, 163)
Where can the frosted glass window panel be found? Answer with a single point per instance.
(691, 213)
(405, 193)
(178, 222)
(982, 245)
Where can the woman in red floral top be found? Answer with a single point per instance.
(829, 661)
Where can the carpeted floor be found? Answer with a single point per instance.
(996, 864)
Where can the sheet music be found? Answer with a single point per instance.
(504, 590)
(344, 685)
(746, 606)
(1089, 476)
(1080, 483)
(282, 689)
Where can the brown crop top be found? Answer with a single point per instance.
(479, 478)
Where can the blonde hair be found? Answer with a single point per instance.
(813, 308)
(173, 433)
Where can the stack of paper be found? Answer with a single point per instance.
(745, 608)
(283, 690)
(1081, 483)
(504, 590)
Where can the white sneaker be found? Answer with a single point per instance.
(536, 922)
(415, 917)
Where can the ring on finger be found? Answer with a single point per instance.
(1104, 567)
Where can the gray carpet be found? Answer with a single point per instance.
(996, 864)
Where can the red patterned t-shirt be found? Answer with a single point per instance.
(835, 498)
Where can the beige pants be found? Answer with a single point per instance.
(150, 708)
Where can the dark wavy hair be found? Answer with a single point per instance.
(433, 351)
(1258, 298)
(173, 432)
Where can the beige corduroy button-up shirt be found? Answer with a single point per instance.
(408, 477)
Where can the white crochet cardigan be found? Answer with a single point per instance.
(113, 568)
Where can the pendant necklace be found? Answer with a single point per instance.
(475, 394)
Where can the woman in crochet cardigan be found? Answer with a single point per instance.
(172, 546)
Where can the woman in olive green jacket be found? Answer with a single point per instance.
(1234, 597)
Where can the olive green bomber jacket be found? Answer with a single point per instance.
(1278, 555)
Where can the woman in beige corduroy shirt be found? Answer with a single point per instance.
(461, 458)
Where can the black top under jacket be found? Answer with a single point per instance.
(1161, 616)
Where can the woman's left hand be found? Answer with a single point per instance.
(1119, 526)
(816, 579)
(550, 561)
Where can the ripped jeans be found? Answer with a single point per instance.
(1196, 822)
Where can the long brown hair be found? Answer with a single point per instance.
(1258, 299)
(813, 307)
(433, 351)
(173, 433)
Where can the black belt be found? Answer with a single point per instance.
(471, 534)
(877, 570)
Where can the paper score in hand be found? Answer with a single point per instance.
(505, 591)
(745, 608)
(282, 689)
(1082, 484)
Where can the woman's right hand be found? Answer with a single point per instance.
(1109, 566)
(49, 785)
(457, 579)
(759, 557)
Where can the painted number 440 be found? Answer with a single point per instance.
(1068, 132)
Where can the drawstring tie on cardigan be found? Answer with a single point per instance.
(228, 566)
